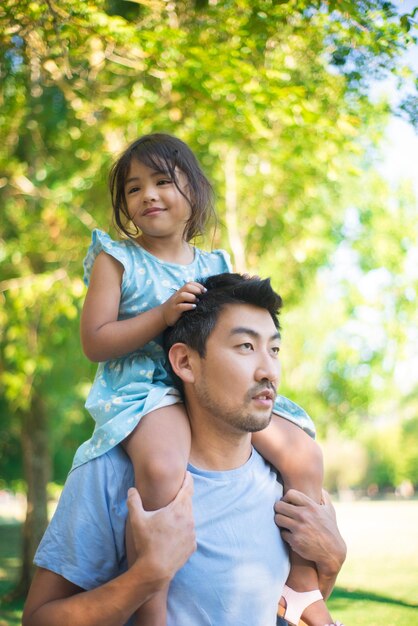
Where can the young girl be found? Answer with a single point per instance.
(136, 288)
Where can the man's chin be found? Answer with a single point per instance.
(256, 423)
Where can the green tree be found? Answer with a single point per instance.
(409, 451)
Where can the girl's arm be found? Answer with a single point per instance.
(103, 337)
(294, 453)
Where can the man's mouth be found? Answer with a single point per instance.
(265, 395)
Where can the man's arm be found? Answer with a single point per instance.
(164, 540)
(311, 530)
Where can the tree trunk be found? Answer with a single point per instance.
(37, 464)
(231, 209)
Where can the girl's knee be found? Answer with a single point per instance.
(163, 469)
(159, 480)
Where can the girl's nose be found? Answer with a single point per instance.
(150, 193)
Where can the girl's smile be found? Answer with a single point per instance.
(153, 210)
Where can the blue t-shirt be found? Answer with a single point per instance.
(236, 576)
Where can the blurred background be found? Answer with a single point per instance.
(304, 116)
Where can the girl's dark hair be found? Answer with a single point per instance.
(163, 153)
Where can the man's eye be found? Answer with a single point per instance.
(276, 350)
(247, 346)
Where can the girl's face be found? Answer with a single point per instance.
(154, 203)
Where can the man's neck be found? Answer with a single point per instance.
(214, 450)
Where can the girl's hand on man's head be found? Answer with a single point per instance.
(184, 299)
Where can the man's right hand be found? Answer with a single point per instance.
(164, 539)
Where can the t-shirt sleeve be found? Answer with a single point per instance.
(294, 413)
(84, 541)
(102, 242)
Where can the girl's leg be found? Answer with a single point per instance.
(159, 449)
(299, 461)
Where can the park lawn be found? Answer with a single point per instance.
(379, 581)
(10, 542)
(378, 584)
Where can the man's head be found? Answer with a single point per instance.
(225, 352)
(194, 327)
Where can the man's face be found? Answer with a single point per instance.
(235, 383)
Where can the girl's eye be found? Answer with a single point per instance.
(133, 190)
(164, 181)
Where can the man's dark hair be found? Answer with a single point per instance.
(194, 326)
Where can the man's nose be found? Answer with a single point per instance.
(268, 369)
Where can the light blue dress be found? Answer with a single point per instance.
(127, 388)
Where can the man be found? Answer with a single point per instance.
(224, 353)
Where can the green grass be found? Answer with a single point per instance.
(379, 581)
(378, 584)
(10, 544)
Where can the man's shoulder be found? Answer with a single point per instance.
(90, 516)
(262, 465)
(109, 471)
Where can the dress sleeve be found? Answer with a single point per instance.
(294, 413)
(102, 242)
(224, 261)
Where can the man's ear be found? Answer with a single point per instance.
(181, 359)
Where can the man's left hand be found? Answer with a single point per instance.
(311, 530)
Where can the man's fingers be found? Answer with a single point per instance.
(183, 500)
(287, 521)
(283, 521)
(297, 498)
(186, 490)
(293, 508)
(134, 500)
(284, 508)
(286, 536)
(326, 498)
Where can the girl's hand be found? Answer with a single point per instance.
(182, 300)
